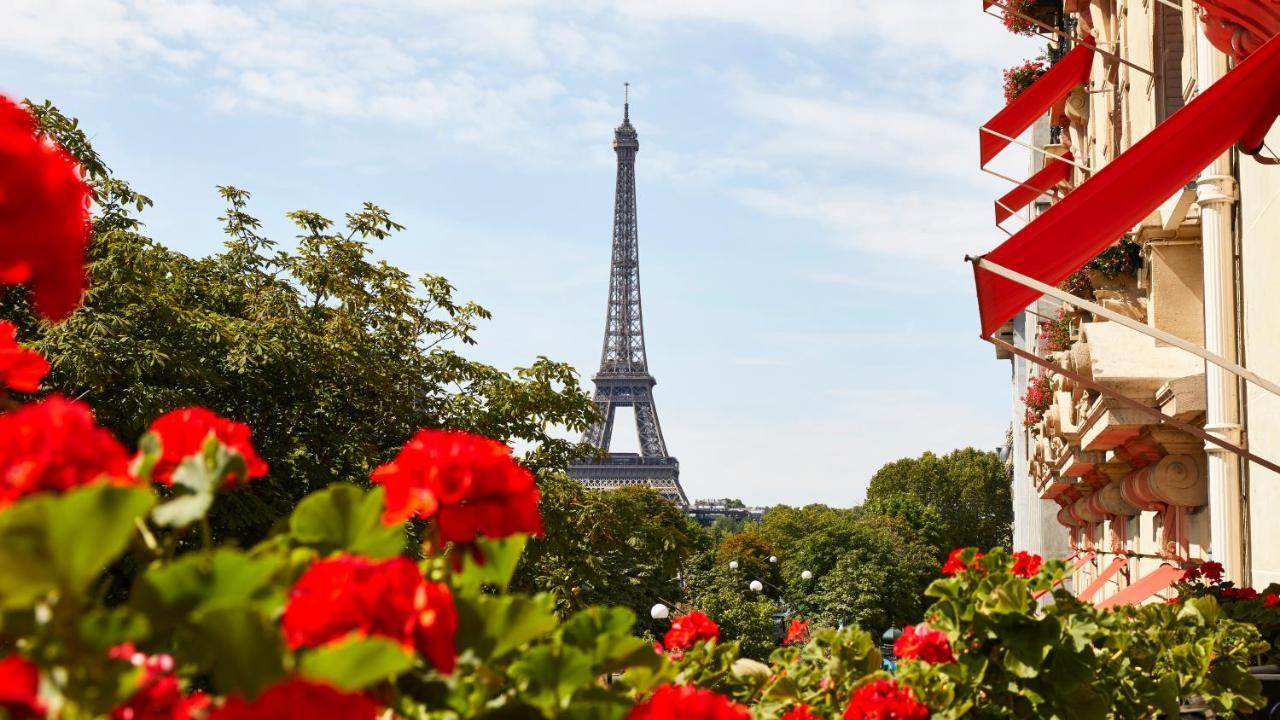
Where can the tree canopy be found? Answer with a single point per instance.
(969, 488)
(332, 356)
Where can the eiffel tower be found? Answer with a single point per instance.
(624, 379)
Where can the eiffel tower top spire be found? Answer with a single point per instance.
(623, 352)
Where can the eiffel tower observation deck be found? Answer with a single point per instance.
(624, 379)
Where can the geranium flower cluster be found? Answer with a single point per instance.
(44, 216)
(182, 433)
(20, 369)
(885, 700)
(159, 694)
(797, 632)
(670, 702)
(920, 642)
(348, 594)
(1016, 14)
(1026, 564)
(690, 628)
(470, 485)
(955, 562)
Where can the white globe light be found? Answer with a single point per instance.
(806, 575)
(756, 586)
(733, 564)
(660, 612)
(773, 558)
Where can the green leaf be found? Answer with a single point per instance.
(500, 558)
(197, 479)
(182, 510)
(494, 625)
(356, 663)
(344, 517)
(549, 675)
(198, 582)
(104, 629)
(239, 647)
(605, 635)
(63, 542)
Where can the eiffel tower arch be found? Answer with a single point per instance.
(624, 379)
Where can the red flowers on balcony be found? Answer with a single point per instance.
(1020, 77)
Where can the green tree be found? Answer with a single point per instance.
(623, 547)
(968, 487)
(916, 516)
(752, 552)
(333, 357)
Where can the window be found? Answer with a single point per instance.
(1168, 47)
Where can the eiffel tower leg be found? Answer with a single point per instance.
(601, 433)
(650, 433)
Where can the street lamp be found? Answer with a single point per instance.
(660, 612)
(806, 575)
(773, 558)
(756, 586)
(733, 564)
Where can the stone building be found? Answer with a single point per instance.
(1128, 496)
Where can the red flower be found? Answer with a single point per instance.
(885, 700)
(470, 484)
(1270, 600)
(801, 712)
(296, 699)
(20, 369)
(690, 628)
(798, 632)
(1240, 593)
(44, 215)
(182, 433)
(351, 594)
(1211, 570)
(1026, 564)
(920, 642)
(20, 687)
(54, 446)
(955, 564)
(685, 702)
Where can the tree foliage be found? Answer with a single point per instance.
(332, 356)
(968, 487)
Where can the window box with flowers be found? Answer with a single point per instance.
(1057, 334)
(1038, 399)
(1020, 77)
(1021, 16)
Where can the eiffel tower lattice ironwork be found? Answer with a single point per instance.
(624, 379)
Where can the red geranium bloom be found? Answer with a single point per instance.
(800, 712)
(44, 215)
(20, 369)
(797, 632)
(351, 594)
(296, 699)
(690, 628)
(182, 433)
(470, 484)
(885, 700)
(20, 687)
(685, 702)
(159, 695)
(54, 446)
(1211, 570)
(920, 642)
(1270, 600)
(1240, 593)
(1026, 564)
(955, 564)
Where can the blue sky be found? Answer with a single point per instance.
(807, 186)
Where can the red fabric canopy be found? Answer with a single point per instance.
(1240, 106)
(1162, 578)
(1079, 564)
(1036, 100)
(1054, 172)
(1102, 578)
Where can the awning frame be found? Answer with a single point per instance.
(1134, 404)
(1031, 147)
(1156, 333)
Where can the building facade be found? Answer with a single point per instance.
(1122, 493)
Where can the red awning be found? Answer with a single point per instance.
(1162, 578)
(1035, 101)
(1240, 106)
(1054, 172)
(1080, 563)
(1102, 578)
